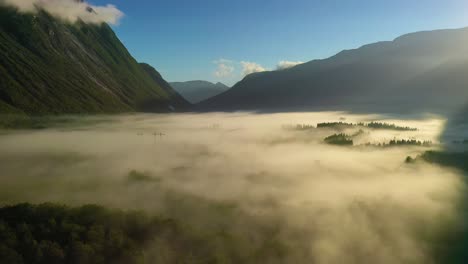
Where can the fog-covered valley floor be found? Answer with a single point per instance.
(279, 192)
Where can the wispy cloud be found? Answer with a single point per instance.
(231, 69)
(287, 64)
(70, 10)
(224, 69)
(251, 67)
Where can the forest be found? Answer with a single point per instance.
(372, 125)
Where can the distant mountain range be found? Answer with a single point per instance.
(48, 66)
(196, 91)
(425, 71)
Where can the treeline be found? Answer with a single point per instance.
(409, 142)
(91, 234)
(373, 125)
(402, 142)
(378, 125)
(19, 121)
(53, 234)
(50, 233)
(335, 125)
(347, 140)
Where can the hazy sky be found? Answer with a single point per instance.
(221, 40)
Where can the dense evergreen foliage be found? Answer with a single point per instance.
(335, 125)
(373, 125)
(50, 233)
(21, 121)
(378, 125)
(339, 139)
(90, 234)
(402, 143)
(408, 142)
(48, 66)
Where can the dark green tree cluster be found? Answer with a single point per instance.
(378, 125)
(401, 142)
(335, 125)
(409, 142)
(56, 234)
(373, 125)
(20, 121)
(17, 121)
(89, 234)
(339, 139)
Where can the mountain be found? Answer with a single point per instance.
(424, 71)
(196, 91)
(49, 66)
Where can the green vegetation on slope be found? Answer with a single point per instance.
(48, 66)
(17, 121)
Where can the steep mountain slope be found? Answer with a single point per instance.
(196, 91)
(415, 72)
(48, 66)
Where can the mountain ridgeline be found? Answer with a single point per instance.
(197, 91)
(49, 66)
(425, 71)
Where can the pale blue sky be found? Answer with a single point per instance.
(189, 39)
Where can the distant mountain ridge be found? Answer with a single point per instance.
(49, 66)
(424, 71)
(196, 91)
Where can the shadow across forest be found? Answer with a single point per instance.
(453, 156)
(230, 190)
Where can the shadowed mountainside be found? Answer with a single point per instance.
(197, 91)
(415, 72)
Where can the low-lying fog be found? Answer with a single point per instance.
(248, 175)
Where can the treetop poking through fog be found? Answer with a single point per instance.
(70, 10)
